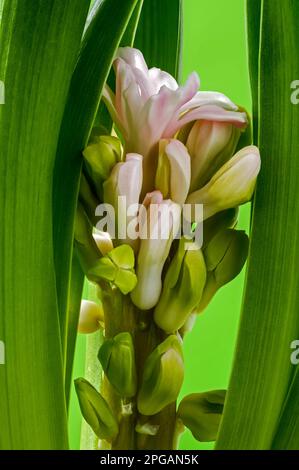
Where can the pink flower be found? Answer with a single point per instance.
(149, 105)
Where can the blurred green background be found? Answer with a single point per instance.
(214, 44)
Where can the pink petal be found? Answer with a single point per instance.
(209, 113)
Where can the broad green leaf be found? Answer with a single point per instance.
(287, 435)
(159, 34)
(99, 44)
(76, 288)
(270, 322)
(39, 46)
(253, 10)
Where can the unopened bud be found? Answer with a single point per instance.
(173, 171)
(100, 157)
(87, 249)
(96, 410)
(182, 289)
(103, 241)
(201, 413)
(91, 317)
(162, 377)
(117, 357)
(210, 144)
(162, 220)
(231, 186)
(225, 256)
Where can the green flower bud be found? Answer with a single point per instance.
(117, 357)
(88, 199)
(182, 289)
(173, 171)
(219, 221)
(100, 157)
(86, 246)
(162, 377)
(231, 186)
(116, 266)
(210, 144)
(91, 317)
(96, 410)
(201, 413)
(225, 256)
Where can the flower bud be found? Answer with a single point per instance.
(225, 256)
(182, 289)
(117, 357)
(100, 157)
(91, 317)
(88, 199)
(125, 181)
(210, 144)
(173, 171)
(232, 185)
(86, 246)
(116, 266)
(162, 377)
(218, 222)
(201, 413)
(159, 224)
(96, 410)
(103, 241)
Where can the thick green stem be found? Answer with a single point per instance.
(121, 315)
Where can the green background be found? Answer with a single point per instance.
(214, 44)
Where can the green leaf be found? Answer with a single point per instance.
(39, 45)
(287, 435)
(253, 10)
(159, 34)
(76, 288)
(99, 44)
(262, 369)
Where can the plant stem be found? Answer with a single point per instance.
(121, 315)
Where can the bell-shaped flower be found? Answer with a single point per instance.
(231, 186)
(159, 222)
(210, 144)
(173, 171)
(149, 105)
(122, 190)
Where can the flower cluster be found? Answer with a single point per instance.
(171, 146)
(176, 145)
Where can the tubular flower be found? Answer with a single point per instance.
(149, 105)
(159, 223)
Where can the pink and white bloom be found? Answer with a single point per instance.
(159, 222)
(149, 105)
